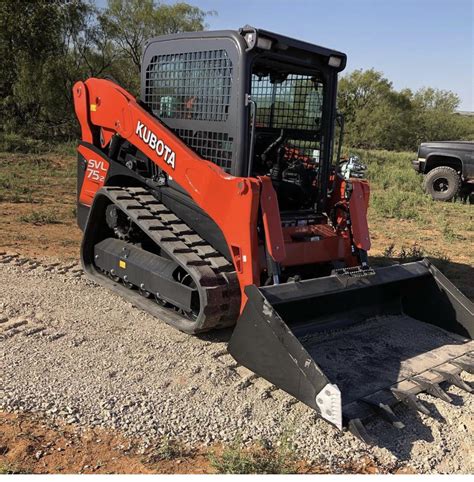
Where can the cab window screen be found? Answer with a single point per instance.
(191, 85)
(190, 92)
(293, 102)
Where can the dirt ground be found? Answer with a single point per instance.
(37, 213)
(37, 205)
(34, 445)
(30, 444)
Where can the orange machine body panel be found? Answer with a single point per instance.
(232, 202)
(94, 176)
(314, 244)
(358, 210)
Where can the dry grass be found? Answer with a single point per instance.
(404, 221)
(401, 214)
(38, 201)
(261, 459)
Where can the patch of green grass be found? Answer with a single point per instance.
(10, 469)
(29, 178)
(391, 170)
(395, 187)
(65, 148)
(396, 193)
(20, 144)
(394, 203)
(41, 217)
(14, 188)
(405, 254)
(17, 143)
(448, 231)
(168, 449)
(259, 460)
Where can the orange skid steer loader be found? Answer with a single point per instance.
(214, 201)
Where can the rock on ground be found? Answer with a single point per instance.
(74, 351)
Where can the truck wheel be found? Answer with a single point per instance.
(442, 183)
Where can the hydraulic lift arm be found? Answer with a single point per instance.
(232, 202)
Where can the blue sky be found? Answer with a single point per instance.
(415, 43)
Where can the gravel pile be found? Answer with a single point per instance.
(72, 350)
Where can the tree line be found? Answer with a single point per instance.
(378, 116)
(47, 45)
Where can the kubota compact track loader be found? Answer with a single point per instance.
(217, 199)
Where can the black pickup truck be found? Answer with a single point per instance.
(448, 168)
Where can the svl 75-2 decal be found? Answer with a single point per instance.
(94, 177)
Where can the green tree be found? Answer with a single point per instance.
(378, 116)
(132, 22)
(28, 38)
(48, 45)
(433, 116)
(45, 47)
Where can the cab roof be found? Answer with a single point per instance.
(248, 36)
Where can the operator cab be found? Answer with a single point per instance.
(251, 101)
(288, 107)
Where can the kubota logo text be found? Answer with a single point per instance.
(156, 144)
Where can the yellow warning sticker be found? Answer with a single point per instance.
(93, 107)
(122, 264)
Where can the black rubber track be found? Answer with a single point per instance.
(218, 287)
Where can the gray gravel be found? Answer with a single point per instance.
(73, 351)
